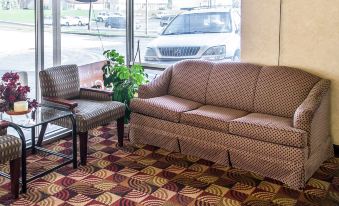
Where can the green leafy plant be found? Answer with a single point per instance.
(123, 80)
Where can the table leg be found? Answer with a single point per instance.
(74, 136)
(33, 140)
(42, 134)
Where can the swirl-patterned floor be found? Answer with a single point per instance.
(145, 175)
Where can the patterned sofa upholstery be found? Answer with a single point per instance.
(272, 120)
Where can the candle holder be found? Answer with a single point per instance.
(11, 112)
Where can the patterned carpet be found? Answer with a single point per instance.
(145, 175)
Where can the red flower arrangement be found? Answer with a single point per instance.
(12, 91)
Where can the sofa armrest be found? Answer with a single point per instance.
(60, 102)
(304, 114)
(157, 87)
(96, 94)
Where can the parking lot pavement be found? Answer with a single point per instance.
(17, 47)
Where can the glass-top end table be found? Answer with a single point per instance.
(41, 116)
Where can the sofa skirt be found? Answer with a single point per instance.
(289, 165)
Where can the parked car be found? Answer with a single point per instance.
(210, 34)
(82, 20)
(118, 22)
(102, 16)
(68, 21)
(162, 13)
(165, 20)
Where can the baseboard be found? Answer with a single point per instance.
(336, 150)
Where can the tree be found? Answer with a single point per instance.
(23, 4)
(169, 4)
(236, 4)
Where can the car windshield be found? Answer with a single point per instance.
(209, 22)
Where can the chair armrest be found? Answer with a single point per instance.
(304, 114)
(157, 87)
(64, 102)
(96, 94)
(3, 124)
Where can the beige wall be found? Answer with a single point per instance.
(309, 39)
(260, 31)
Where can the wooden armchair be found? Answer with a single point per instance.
(60, 86)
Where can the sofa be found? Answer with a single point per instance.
(270, 120)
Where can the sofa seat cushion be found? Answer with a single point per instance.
(211, 117)
(269, 128)
(164, 107)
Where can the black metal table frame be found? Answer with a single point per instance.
(70, 159)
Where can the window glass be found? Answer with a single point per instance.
(89, 29)
(173, 30)
(17, 45)
(17, 40)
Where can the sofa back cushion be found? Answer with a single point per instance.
(280, 90)
(233, 85)
(189, 80)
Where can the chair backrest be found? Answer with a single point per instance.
(60, 81)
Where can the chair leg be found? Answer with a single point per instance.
(120, 127)
(83, 136)
(14, 167)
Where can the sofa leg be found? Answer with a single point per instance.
(83, 136)
(120, 127)
(15, 175)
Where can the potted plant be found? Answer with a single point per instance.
(12, 92)
(123, 80)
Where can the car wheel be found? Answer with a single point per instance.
(101, 19)
(67, 23)
(79, 23)
(236, 57)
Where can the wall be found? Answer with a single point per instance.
(309, 40)
(260, 31)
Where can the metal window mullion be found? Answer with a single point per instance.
(39, 43)
(129, 31)
(56, 32)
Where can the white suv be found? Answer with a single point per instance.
(211, 34)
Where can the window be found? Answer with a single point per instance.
(89, 29)
(169, 31)
(164, 32)
(17, 40)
